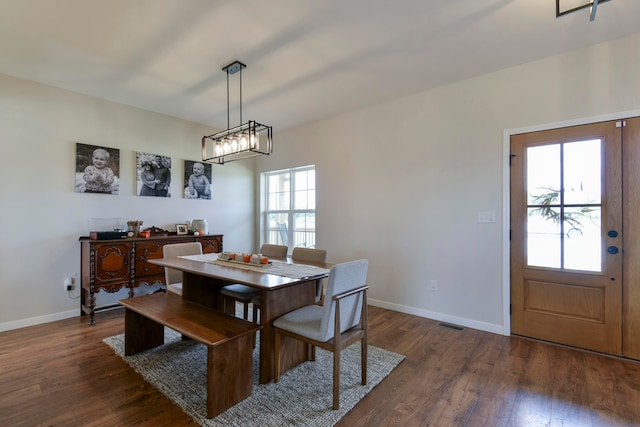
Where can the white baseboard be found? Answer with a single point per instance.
(468, 323)
(23, 323)
(460, 321)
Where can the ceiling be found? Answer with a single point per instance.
(306, 59)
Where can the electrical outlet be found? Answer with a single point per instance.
(68, 284)
(434, 285)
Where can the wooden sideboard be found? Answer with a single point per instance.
(113, 264)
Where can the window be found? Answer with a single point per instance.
(289, 202)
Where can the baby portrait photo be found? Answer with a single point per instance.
(154, 175)
(97, 169)
(197, 180)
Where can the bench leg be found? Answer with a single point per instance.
(140, 333)
(229, 374)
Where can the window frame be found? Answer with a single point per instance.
(272, 235)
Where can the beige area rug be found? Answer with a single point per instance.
(303, 397)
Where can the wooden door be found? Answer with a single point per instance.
(566, 241)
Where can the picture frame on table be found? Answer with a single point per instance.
(182, 229)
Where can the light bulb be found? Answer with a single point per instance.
(234, 145)
(243, 141)
(254, 140)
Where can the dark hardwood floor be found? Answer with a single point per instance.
(62, 374)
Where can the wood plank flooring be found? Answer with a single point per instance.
(61, 374)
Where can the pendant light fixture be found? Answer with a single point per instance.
(593, 4)
(241, 142)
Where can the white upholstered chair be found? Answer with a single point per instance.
(173, 277)
(245, 294)
(340, 322)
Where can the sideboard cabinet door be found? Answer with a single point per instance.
(112, 264)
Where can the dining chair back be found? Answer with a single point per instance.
(173, 277)
(341, 322)
(274, 251)
(246, 295)
(343, 278)
(311, 255)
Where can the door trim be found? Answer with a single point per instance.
(506, 196)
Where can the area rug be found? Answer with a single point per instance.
(302, 397)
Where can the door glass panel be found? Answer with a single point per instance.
(582, 243)
(564, 197)
(543, 238)
(543, 173)
(582, 181)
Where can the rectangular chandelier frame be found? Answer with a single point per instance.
(592, 4)
(248, 140)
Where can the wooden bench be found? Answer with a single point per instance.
(229, 340)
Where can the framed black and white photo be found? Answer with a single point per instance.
(182, 229)
(154, 175)
(97, 169)
(197, 180)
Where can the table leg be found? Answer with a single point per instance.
(202, 290)
(273, 304)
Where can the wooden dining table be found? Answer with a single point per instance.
(202, 281)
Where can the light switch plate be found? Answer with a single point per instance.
(486, 217)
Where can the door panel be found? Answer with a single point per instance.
(573, 301)
(566, 198)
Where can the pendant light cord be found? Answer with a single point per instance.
(228, 104)
(228, 99)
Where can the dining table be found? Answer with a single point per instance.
(284, 285)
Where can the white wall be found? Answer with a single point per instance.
(41, 215)
(402, 183)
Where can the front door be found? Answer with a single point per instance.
(566, 236)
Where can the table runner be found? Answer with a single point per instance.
(202, 258)
(277, 268)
